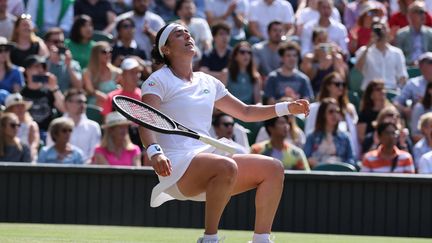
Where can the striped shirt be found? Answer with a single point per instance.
(373, 161)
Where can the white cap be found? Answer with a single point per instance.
(114, 119)
(129, 63)
(17, 99)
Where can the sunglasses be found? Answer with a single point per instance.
(4, 49)
(378, 89)
(66, 130)
(14, 125)
(244, 52)
(25, 16)
(106, 51)
(127, 26)
(228, 124)
(333, 111)
(339, 84)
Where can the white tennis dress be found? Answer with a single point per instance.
(191, 104)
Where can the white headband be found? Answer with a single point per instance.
(164, 36)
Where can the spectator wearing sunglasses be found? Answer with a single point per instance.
(223, 125)
(335, 86)
(126, 45)
(11, 147)
(7, 19)
(11, 78)
(86, 134)
(62, 151)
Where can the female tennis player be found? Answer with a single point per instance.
(186, 167)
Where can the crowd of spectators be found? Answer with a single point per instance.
(364, 65)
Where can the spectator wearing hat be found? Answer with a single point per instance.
(60, 61)
(28, 131)
(416, 38)
(86, 134)
(43, 91)
(11, 78)
(415, 88)
(62, 151)
(11, 147)
(116, 147)
(353, 9)
(7, 19)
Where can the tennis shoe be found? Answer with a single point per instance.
(220, 240)
(269, 240)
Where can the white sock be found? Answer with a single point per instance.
(210, 238)
(258, 238)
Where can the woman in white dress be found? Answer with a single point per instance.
(187, 169)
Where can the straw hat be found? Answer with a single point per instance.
(17, 99)
(368, 6)
(115, 119)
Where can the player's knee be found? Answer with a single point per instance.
(228, 169)
(278, 170)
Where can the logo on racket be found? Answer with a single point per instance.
(151, 83)
(206, 91)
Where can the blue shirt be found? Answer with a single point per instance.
(413, 90)
(50, 155)
(14, 76)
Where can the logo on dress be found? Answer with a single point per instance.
(151, 84)
(206, 91)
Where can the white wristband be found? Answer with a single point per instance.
(153, 149)
(282, 108)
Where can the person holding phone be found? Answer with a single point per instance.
(186, 169)
(42, 89)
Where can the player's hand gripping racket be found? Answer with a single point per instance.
(148, 117)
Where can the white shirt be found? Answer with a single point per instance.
(336, 31)
(200, 32)
(263, 14)
(86, 135)
(388, 65)
(219, 8)
(7, 25)
(51, 14)
(306, 15)
(425, 164)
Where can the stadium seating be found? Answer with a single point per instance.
(335, 166)
(94, 113)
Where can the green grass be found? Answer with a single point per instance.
(38, 233)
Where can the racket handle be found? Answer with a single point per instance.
(218, 144)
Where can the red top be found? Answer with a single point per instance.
(107, 106)
(400, 20)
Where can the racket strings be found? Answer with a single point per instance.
(145, 115)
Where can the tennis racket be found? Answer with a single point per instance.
(150, 118)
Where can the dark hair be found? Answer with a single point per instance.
(324, 93)
(179, 5)
(52, 31)
(80, 21)
(317, 31)
(218, 117)
(321, 123)
(427, 98)
(233, 67)
(157, 58)
(270, 25)
(221, 25)
(72, 92)
(121, 21)
(383, 126)
(288, 46)
(366, 101)
(271, 123)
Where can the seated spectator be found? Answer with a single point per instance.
(11, 147)
(416, 38)
(334, 86)
(291, 156)
(42, 89)
(101, 76)
(310, 13)
(86, 134)
(47, 14)
(62, 151)
(198, 27)
(288, 81)
(422, 107)
(372, 102)
(100, 11)
(324, 60)
(125, 44)
(11, 78)
(232, 12)
(360, 34)
(387, 157)
(327, 144)
(148, 24)
(381, 60)
(415, 88)
(7, 19)
(425, 163)
(215, 62)
(424, 145)
(260, 19)
(26, 41)
(116, 147)
(265, 53)
(60, 61)
(388, 114)
(399, 19)
(80, 40)
(243, 80)
(352, 11)
(28, 131)
(337, 33)
(223, 126)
